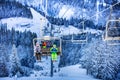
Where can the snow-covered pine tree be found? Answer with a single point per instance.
(14, 62)
(101, 61)
(3, 62)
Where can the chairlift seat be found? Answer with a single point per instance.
(52, 40)
(67, 37)
(81, 36)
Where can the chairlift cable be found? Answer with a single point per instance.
(68, 8)
(102, 11)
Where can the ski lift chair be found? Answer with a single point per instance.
(112, 34)
(51, 40)
(80, 38)
(67, 37)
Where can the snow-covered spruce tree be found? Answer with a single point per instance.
(3, 62)
(14, 62)
(100, 60)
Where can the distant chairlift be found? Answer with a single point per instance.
(112, 32)
(78, 38)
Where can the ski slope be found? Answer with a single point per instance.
(74, 72)
(37, 24)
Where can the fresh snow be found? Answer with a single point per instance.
(74, 72)
(93, 31)
(16, 23)
(73, 30)
(69, 30)
(46, 65)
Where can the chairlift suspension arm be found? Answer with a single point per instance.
(111, 10)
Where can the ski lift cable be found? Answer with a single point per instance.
(69, 8)
(44, 8)
(45, 11)
(111, 9)
(97, 13)
(65, 12)
(101, 11)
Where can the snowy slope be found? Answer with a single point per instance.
(22, 24)
(74, 72)
(49, 78)
(36, 24)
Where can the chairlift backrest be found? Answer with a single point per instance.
(81, 36)
(66, 37)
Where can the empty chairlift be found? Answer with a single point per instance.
(80, 38)
(67, 37)
(112, 32)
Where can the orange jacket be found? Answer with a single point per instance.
(44, 44)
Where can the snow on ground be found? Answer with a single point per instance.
(49, 78)
(17, 23)
(93, 31)
(73, 30)
(74, 72)
(46, 65)
(69, 30)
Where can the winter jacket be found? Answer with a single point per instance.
(37, 49)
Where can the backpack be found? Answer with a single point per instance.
(53, 49)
